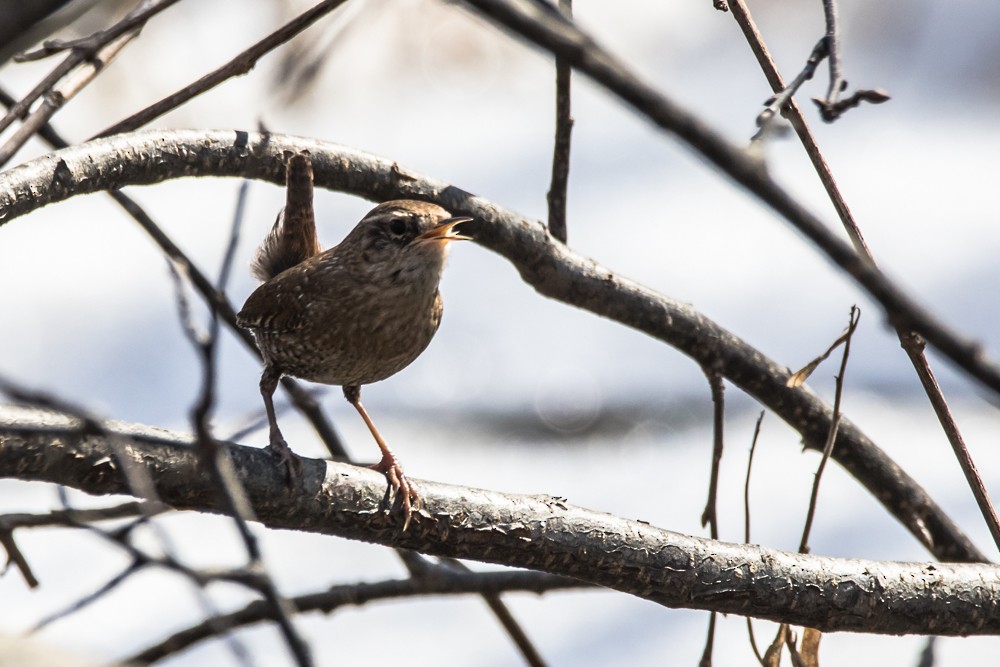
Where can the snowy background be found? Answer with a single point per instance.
(518, 393)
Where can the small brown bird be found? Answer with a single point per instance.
(351, 315)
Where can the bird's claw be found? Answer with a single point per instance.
(390, 467)
(288, 459)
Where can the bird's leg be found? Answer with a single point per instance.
(389, 465)
(276, 444)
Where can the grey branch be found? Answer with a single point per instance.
(551, 268)
(540, 533)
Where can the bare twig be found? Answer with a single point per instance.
(560, 151)
(746, 522)
(912, 343)
(777, 102)
(831, 107)
(709, 516)
(706, 654)
(828, 47)
(241, 64)
(834, 423)
(15, 556)
(927, 655)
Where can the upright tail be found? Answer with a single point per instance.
(293, 237)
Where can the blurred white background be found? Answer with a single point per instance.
(518, 393)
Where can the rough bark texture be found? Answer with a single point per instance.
(538, 532)
(549, 266)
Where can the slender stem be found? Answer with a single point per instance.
(830, 12)
(709, 515)
(560, 151)
(832, 437)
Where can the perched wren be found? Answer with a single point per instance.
(351, 315)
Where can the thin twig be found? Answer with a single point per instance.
(241, 64)
(837, 83)
(746, 522)
(560, 150)
(911, 343)
(706, 654)
(709, 516)
(834, 423)
(777, 102)
(15, 556)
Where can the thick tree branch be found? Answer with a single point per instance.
(550, 267)
(541, 533)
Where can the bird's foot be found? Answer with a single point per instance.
(287, 459)
(389, 466)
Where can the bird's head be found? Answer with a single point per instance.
(404, 241)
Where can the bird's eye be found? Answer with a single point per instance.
(397, 226)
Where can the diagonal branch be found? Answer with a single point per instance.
(540, 533)
(551, 268)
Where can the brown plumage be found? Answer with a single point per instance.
(351, 315)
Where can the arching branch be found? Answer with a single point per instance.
(544, 263)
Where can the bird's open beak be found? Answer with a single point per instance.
(445, 231)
